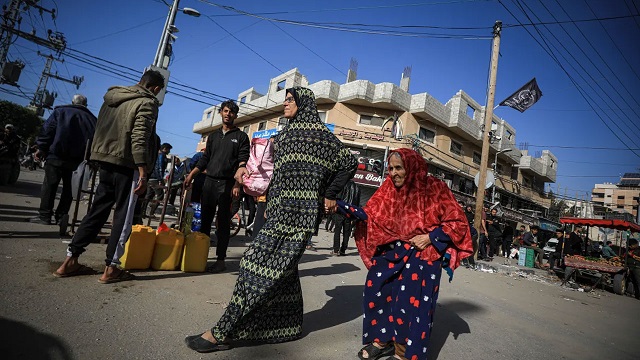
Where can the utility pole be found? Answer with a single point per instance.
(488, 116)
(10, 17)
(43, 99)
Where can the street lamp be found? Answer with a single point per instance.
(160, 62)
(495, 170)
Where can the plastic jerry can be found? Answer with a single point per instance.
(196, 252)
(166, 255)
(138, 250)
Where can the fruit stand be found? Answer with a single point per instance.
(608, 272)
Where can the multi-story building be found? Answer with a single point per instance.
(375, 118)
(621, 198)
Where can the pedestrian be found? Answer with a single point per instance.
(9, 142)
(507, 240)
(124, 147)
(556, 255)
(62, 142)
(179, 174)
(198, 180)
(530, 241)
(415, 228)
(156, 183)
(311, 167)
(350, 195)
(329, 224)
(607, 252)
(470, 261)
(484, 235)
(494, 229)
(225, 157)
(632, 261)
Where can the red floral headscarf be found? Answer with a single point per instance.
(422, 204)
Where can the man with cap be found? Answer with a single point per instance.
(62, 142)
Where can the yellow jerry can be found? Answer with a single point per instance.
(138, 250)
(166, 255)
(196, 252)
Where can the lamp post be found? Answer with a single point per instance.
(160, 62)
(495, 170)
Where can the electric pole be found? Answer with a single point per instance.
(10, 17)
(488, 116)
(43, 99)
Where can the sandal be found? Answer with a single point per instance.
(197, 343)
(122, 276)
(375, 353)
(81, 270)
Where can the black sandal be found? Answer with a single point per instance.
(197, 343)
(375, 353)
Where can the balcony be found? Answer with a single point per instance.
(205, 125)
(358, 92)
(326, 91)
(390, 96)
(531, 165)
(427, 107)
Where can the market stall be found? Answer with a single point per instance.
(609, 272)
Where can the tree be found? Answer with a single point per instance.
(25, 121)
(557, 209)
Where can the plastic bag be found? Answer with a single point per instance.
(259, 166)
(80, 177)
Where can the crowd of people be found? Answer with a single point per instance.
(409, 232)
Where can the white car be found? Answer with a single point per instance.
(550, 247)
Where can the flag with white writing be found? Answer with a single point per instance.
(525, 97)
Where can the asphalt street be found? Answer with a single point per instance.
(480, 315)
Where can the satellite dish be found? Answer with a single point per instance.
(489, 181)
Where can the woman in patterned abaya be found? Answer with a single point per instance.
(311, 166)
(415, 228)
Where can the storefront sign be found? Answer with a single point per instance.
(360, 135)
(367, 178)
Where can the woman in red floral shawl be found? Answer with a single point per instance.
(415, 228)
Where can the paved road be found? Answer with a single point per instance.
(480, 315)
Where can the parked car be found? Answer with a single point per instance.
(550, 247)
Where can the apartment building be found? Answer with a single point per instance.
(375, 118)
(623, 197)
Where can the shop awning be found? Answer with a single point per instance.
(605, 223)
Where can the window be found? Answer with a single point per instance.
(371, 120)
(427, 135)
(262, 125)
(477, 157)
(281, 85)
(508, 134)
(620, 206)
(470, 111)
(620, 197)
(553, 164)
(635, 198)
(499, 168)
(526, 181)
(246, 129)
(209, 114)
(456, 148)
(323, 116)
(243, 100)
(514, 173)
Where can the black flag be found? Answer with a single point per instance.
(525, 97)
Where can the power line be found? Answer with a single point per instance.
(118, 32)
(580, 91)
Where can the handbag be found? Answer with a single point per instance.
(259, 167)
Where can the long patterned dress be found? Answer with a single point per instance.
(310, 163)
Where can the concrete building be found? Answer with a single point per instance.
(373, 118)
(621, 198)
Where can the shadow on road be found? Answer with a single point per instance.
(447, 321)
(340, 309)
(329, 270)
(20, 341)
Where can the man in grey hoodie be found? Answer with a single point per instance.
(124, 146)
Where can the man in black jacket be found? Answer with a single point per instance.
(573, 245)
(62, 142)
(494, 228)
(350, 195)
(225, 158)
